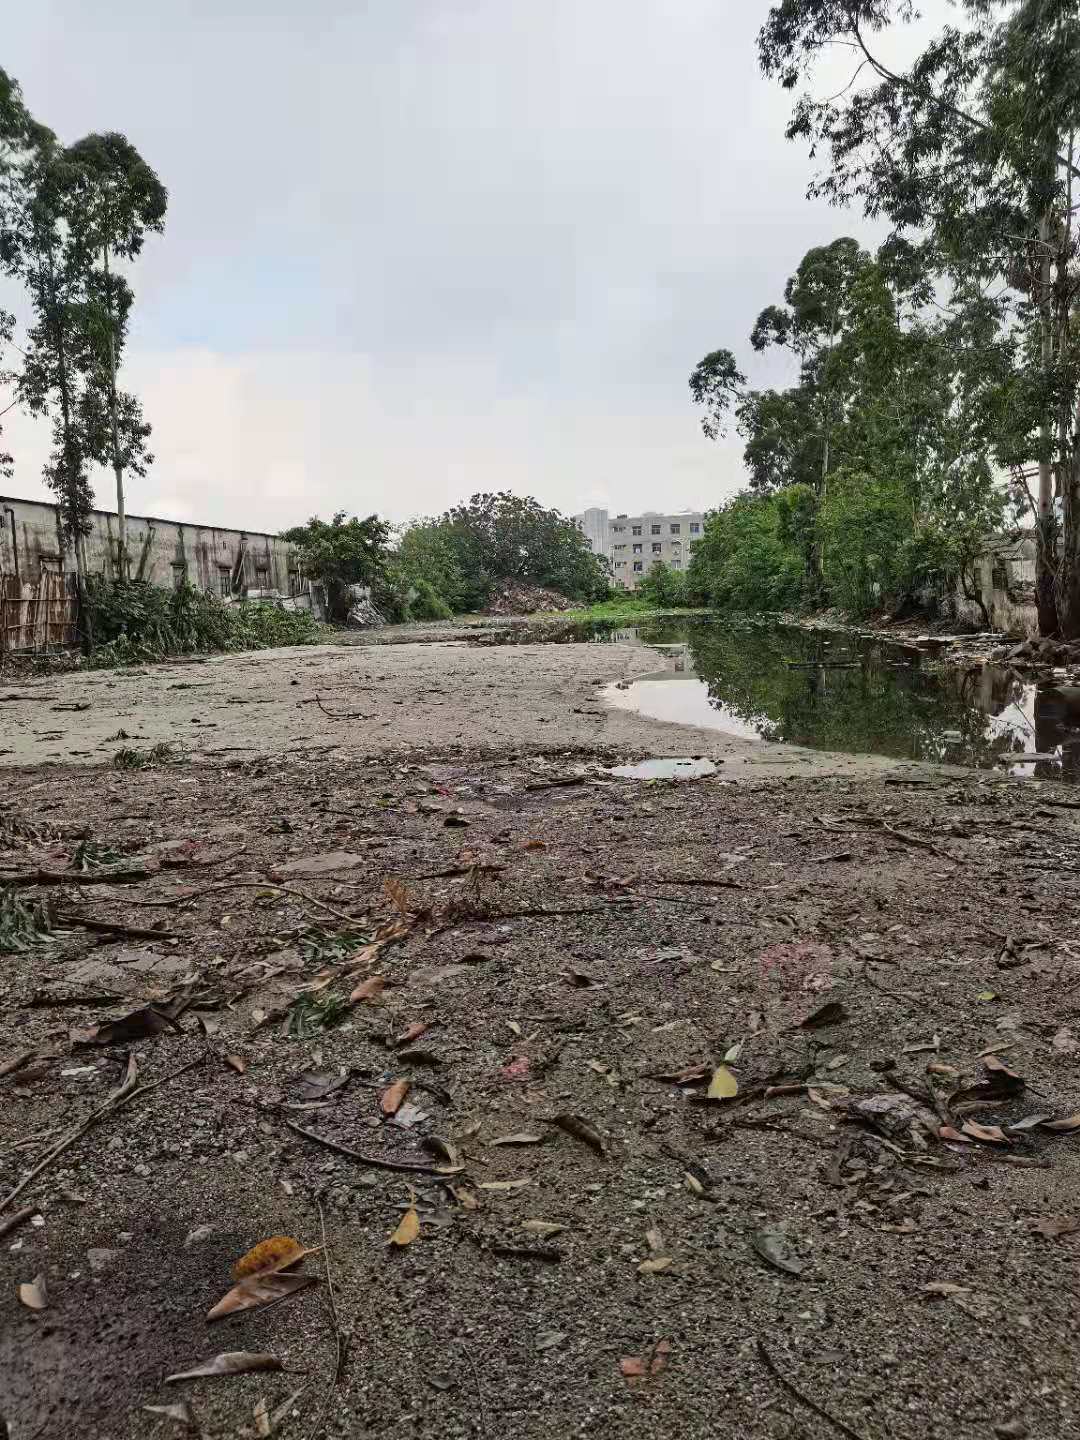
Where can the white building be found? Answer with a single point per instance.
(632, 544)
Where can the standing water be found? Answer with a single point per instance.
(848, 693)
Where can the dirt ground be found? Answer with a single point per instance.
(866, 954)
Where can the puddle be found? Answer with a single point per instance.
(859, 696)
(673, 769)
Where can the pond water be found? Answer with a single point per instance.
(846, 693)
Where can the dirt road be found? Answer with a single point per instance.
(883, 967)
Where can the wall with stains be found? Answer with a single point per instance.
(164, 552)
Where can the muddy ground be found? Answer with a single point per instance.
(593, 949)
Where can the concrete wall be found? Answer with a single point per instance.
(1007, 583)
(164, 552)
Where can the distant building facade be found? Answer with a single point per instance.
(632, 544)
(162, 552)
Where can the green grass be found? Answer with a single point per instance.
(630, 609)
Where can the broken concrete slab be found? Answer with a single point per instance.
(329, 864)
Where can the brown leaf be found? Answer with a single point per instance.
(446, 1150)
(276, 1253)
(407, 1230)
(369, 989)
(533, 845)
(831, 1013)
(137, 1026)
(182, 1413)
(945, 1287)
(544, 1228)
(392, 1099)
(231, 1362)
(258, 1290)
(632, 1367)
(661, 1351)
(1000, 1073)
(581, 1129)
(692, 1075)
(656, 1265)
(1054, 1226)
(947, 1132)
(34, 1296)
(518, 1068)
(990, 1134)
(398, 894)
(774, 1247)
(237, 1063)
(421, 1027)
(522, 1137)
(1067, 1126)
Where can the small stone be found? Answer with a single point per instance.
(197, 1236)
(1012, 1430)
(101, 1260)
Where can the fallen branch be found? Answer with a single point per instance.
(920, 844)
(340, 1340)
(115, 927)
(559, 784)
(14, 1221)
(78, 877)
(720, 884)
(252, 885)
(416, 1166)
(127, 1092)
(781, 1378)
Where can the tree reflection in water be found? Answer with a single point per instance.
(836, 692)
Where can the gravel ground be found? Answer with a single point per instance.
(763, 1258)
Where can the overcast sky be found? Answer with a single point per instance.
(418, 248)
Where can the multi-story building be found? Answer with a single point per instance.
(632, 544)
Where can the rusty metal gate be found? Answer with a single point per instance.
(38, 618)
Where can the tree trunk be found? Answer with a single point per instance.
(122, 567)
(1046, 537)
(71, 457)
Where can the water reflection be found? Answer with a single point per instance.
(855, 695)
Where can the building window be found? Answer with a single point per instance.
(676, 564)
(695, 528)
(262, 578)
(179, 574)
(620, 564)
(675, 529)
(638, 549)
(656, 549)
(618, 529)
(637, 529)
(638, 567)
(622, 546)
(654, 529)
(693, 544)
(224, 580)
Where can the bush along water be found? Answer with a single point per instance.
(136, 622)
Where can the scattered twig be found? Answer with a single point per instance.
(920, 844)
(559, 784)
(719, 883)
(127, 1092)
(79, 877)
(254, 885)
(342, 715)
(340, 1340)
(375, 1161)
(775, 1371)
(550, 1253)
(479, 1391)
(14, 1221)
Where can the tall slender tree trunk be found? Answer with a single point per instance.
(72, 466)
(1047, 558)
(114, 421)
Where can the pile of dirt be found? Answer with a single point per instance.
(518, 597)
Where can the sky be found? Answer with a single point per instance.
(421, 248)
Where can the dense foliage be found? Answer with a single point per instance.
(970, 155)
(133, 622)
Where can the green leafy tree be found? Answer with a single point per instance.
(664, 587)
(340, 553)
(113, 200)
(970, 152)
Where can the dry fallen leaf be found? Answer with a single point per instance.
(544, 1228)
(258, 1290)
(1063, 1127)
(504, 1185)
(990, 1134)
(231, 1362)
(393, 1097)
(369, 989)
(408, 1228)
(514, 1026)
(654, 1266)
(182, 1414)
(276, 1253)
(137, 1026)
(261, 1416)
(413, 1032)
(521, 1137)
(775, 1247)
(831, 1013)
(35, 1295)
(398, 894)
(1054, 1226)
(945, 1287)
(237, 1063)
(580, 1128)
(632, 1367)
(723, 1085)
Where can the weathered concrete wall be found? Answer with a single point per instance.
(164, 552)
(1007, 584)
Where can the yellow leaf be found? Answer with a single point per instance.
(269, 1256)
(408, 1230)
(723, 1085)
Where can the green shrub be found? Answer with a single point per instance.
(135, 622)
